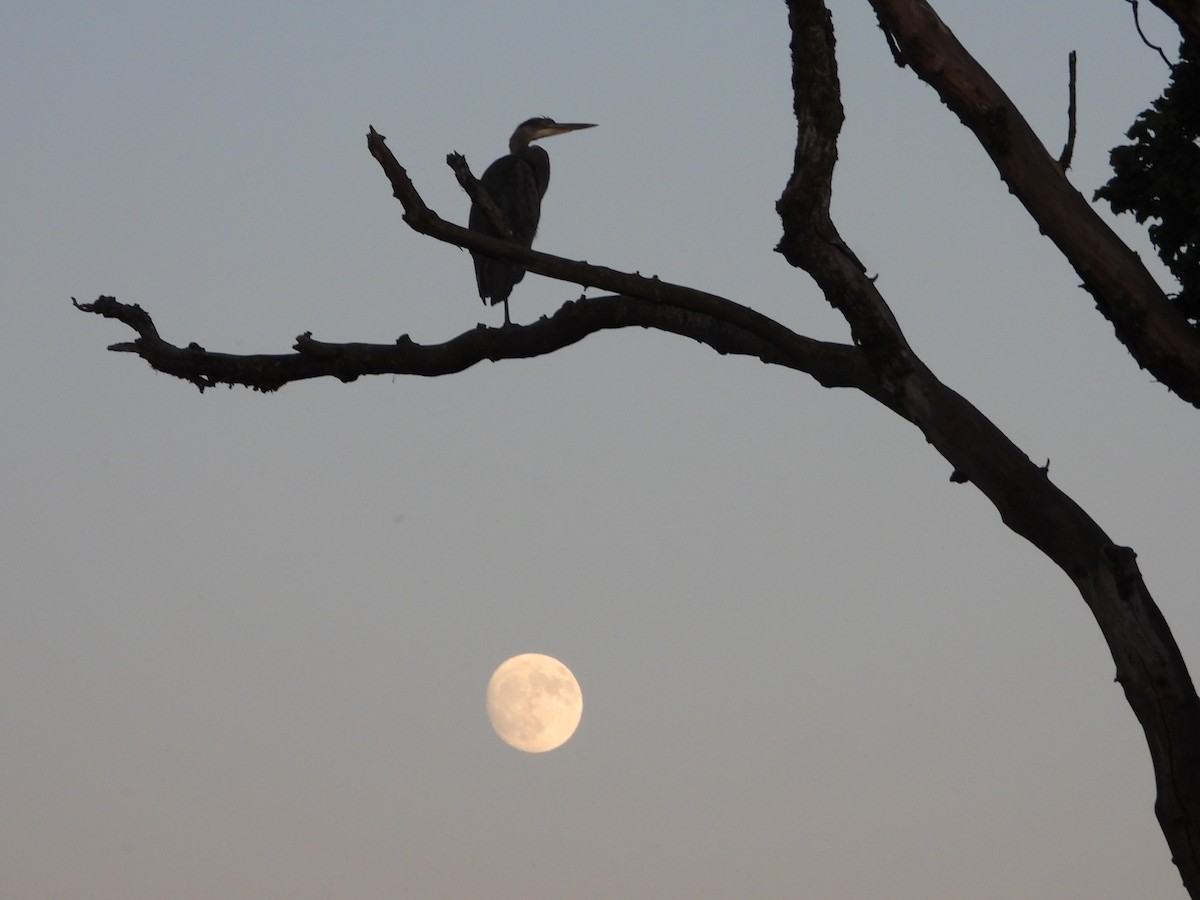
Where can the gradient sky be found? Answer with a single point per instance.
(244, 639)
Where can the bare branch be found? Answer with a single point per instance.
(725, 326)
(402, 187)
(1157, 336)
(1137, 23)
(1068, 151)
(479, 196)
(832, 365)
(1150, 667)
(424, 221)
(810, 239)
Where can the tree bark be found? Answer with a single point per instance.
(1144, 320)
(1149, 664)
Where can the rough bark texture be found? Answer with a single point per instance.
(1149, 665)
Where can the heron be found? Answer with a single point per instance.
(516, 183)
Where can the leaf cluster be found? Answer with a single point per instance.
(1158, 177)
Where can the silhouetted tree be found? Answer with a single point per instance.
(877, 360)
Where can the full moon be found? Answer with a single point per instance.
(534, 702)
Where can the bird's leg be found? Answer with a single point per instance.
(507, 320)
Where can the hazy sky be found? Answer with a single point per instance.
(244, 639)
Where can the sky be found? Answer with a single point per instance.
(245, 638)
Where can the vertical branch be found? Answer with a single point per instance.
(1068, 151)
(810, 239)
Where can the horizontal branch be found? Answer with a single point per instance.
(833, 365)
(717, 322)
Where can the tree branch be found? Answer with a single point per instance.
(424, 221)
(1068, 150)
(1149, 664)
(720, 323)
(1137, 24)
(458, 163)
(810, 239)
(1157, 336)
(832, 365)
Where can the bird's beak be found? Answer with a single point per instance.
(562, 128)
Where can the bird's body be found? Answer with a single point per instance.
(516, 184)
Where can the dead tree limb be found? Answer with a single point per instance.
(721, 324)
(1157, 336)
(831, 364)
(1068, 150)
(1150, 667)
(480, 197)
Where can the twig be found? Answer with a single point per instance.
(1068, 151)
(1145, 40)
(479, 195)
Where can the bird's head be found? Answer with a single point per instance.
(536, 129)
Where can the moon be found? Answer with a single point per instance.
(534, 702)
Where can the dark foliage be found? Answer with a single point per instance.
(1158, 177)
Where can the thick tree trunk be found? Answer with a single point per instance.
(1150, 667)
